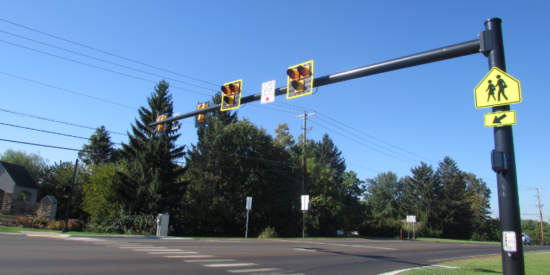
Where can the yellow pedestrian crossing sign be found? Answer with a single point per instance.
(498, 119)
(497, 89)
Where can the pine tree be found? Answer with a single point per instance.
(455, 209)
(151, 182)
(421, 198)
(100, 149)
(328, 154)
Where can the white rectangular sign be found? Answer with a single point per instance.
(305, 202)
(268, 92)
(248, 203)
(411, 219)
(175, 123)
(509, 241)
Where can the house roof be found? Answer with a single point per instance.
(19, 175)
(51, 198)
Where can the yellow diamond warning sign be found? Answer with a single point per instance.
(497, 89)
(499, 119)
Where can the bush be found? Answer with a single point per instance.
(29, 222)
(140, 224)
(268, 233)
(380, 228)
(56, 225)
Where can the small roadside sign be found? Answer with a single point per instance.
(509, 241)
(497, 89)
(305, 202)
(411, 219)
(248, 203)
(268, 92)
(499, 119)
(175, 123)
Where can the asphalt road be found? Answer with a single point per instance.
(56, 254)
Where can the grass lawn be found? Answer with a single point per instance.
(10, 229)
(535, 264)
(450, 240)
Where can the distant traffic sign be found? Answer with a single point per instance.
(499, 119)
(268, 92)
(497, 89)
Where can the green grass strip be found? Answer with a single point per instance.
(535, 264)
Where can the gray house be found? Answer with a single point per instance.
(16, 185)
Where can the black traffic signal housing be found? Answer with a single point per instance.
(66, 189)
(160, 127)
(231, 95)
(201, 119)
(299, 80)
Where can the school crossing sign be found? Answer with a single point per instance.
(497, 89)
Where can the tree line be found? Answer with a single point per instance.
(204, 186)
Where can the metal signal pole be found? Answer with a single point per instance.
(540, 211)
(508, 200)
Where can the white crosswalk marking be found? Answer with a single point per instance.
(190, 256)
(253, 270)
(182, 252)
(209, 260)
(229, 265)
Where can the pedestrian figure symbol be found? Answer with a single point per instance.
(491, 89)
(497, 88)
(501, 86)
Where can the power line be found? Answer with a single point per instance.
(118, 56)
(51, 86)
(105, 61)
(97, 67)
(53, 120)
(365, 139)
(377, 138)
(364, 144)
(33, 129)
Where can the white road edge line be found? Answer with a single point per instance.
(420, 267)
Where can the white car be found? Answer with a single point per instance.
(525, 239)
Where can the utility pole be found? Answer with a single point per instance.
(540, 211)
(304, 169)
(66, 228)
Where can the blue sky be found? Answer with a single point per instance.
(417, 114)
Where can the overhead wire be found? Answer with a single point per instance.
(100, 68)
(375, 138)
(53, 120)
(104, 52)
(364, 144)
(105, 61)
(66, 90)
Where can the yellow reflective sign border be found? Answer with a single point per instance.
(308, 87)
(497, 89)
(499, 119)
(237, 101)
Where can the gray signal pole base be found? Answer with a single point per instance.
(508, 200)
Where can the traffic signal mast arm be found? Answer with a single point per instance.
(449, 52)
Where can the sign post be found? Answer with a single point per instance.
(413, 220)
(305, 206)
(248, 207)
